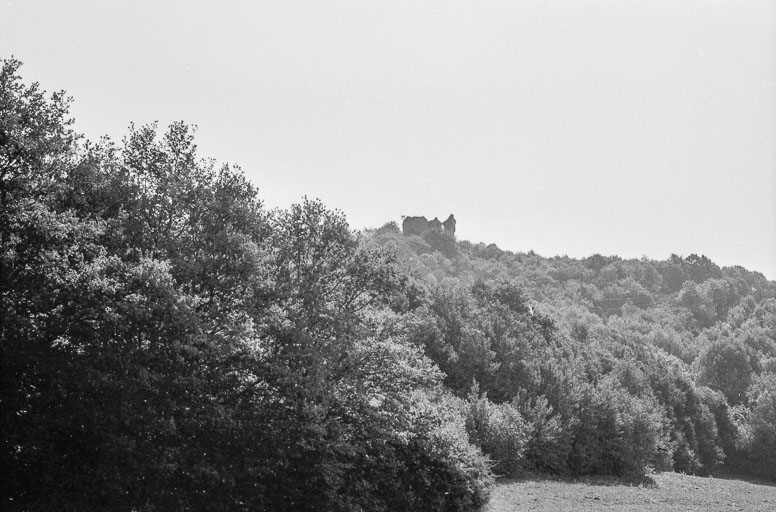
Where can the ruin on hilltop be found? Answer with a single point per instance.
(420, 225)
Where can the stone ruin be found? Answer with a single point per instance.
(420, 225)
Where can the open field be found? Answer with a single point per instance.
(666, 492)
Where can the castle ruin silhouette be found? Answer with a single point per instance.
(419, 225)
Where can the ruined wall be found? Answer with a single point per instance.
(449, 226)
(420, 225)
(435, 225)
(414, 226)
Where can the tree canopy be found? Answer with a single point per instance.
(169, 343)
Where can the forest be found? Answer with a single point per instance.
(167, 342)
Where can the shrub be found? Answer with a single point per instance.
(763, 424)
(499, 430)
(549, 435)
(615, 433)
(641, 434)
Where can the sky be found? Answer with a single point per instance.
(635, 128)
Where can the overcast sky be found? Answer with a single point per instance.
(564, 127)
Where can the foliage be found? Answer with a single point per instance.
(167, 344)
(762, 422)
(499, 430)
(561, 354)
(728, 365)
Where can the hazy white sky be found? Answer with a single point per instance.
(564, 127)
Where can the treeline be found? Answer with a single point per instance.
(600, 365)
(168, 343)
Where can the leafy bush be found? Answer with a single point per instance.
(641, 433)
(763, 425)
(549, 440)
(499, 430)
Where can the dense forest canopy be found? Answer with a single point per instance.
(168, 343)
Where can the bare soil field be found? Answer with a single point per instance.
(661, 492)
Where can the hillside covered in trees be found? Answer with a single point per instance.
(169, 343)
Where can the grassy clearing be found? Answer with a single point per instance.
(662, 492)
